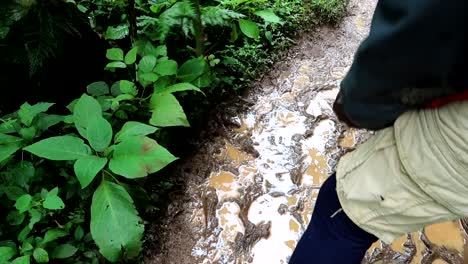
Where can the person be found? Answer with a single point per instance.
(408, 82)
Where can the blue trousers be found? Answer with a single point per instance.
(331, 237)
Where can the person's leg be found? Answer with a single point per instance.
(331, 237)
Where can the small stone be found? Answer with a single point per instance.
(282, 209)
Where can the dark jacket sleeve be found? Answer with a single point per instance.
(412, 44)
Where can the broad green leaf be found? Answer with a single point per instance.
(268, 16)
(147, 63)
(52, 201)
(8, 126)
(79, 233)
(26, 248)
(118, 32)
(24, 233)
(99, 133)
(15, 218)
(166, 111)
(28, 112)
(98, 88)
(204, 81)
(28, 133)
(192, 69)
(23, 203)
(115, 54)
(85, 110)
(63, 251)
(46, 121)
(22, 173)
(149, 77)
(60, 148)
(21, 260)
(6, 253)
(160, 51)
(7, 139)
(115, 224)
(35, 216)
(13, 192)
(116, 64)
(8, 150)
(178, 88)
(53, 234)
(87, 168)
(128, 87)
(131, 56)
(133, 128)
(40, 255)
(136, 157)
(249, 28)
(168, 67)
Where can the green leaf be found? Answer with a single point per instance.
(63, 251)
(115, 224)
(118, 32)
(133, 128)
(85, 110)
(6, 253)
(167, 111)
(136, 157)
(13, 192)
(99, 133)
(98, 88)
(7, 139)
(22, 173)
(178, 88)
(79, 233)
(15, 218)
(53, 234)
(115, 54)
(52, 201)
(165, 68)
(35, 216)
(28, 112)
(40, 255)
(87, 168)
(23, 203)
(46, 121)
(28, 133)
(147, 63)
(160, 51)
(21, 260)
(26, 248)
(148, 77)
(60, 148)
(131, 56)
(8, 150)
(23, 234)
(192, 69)
(268, 16)
(128, 87)
(249, 28)
(116, 64)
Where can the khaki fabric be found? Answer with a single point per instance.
(408, 176)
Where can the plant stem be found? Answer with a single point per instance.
(199, 35)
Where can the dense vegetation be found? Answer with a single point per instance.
(72, 170)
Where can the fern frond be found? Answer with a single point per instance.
(218, 16)
(177, 15)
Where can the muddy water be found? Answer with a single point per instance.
(263, 179)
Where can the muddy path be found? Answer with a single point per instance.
(250, 190)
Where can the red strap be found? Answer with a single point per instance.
(445, 100)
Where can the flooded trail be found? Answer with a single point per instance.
(251, 192)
